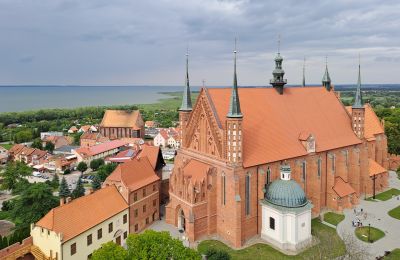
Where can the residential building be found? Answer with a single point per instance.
(151, 124)
(28, 155)
(90, 139)
(75, 229)
(43, 135)
(87, 129)
(87, 154)
(58, 141)
(139, 185)
(121, 123)
(73, 130)
(3, 155)
(174, 141)
(66, 149)
(161, 138)
(235, 140)
(58, 163)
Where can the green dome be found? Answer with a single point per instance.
(286, 193)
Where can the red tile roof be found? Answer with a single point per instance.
(121, 118)
(100, 148)
(342, 188)
(151, 152)
(84, 213)
(134, 174)
(272, 123)
(375, 168)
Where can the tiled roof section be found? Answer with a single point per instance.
(73, 128)
(85, 128)
(84, 213)
(100, 148)
(16, 148)
(121, 118)
(196, 170)
(373, 125)
(151, 152)
(342, 188)
(164, 134)
(272, 123)
(375, 168)
(135, 174)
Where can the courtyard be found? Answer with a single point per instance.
(376, 214)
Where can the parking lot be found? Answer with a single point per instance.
(71, 178)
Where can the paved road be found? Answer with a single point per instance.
(377, 216)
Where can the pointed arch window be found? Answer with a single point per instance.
(333, 163)
(319, 167)
(304, 170)
(247, 194)
(223, 180)
(268, 176)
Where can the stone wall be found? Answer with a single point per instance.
(394, 162)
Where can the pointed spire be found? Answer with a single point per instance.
(326, 80)
(358, 103)
(186, 98)
(234, 105)
(304, 72)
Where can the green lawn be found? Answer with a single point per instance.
(395, 213)
(362, 234)
(331, 246)
(333, 218)
(394, 255)
(7, 146)
(386, 195)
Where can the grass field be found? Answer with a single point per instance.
(395, 213)
(333, 218)
(6, 146)
(331, 246)
(394, 255)
(362, 234)
(386, 195)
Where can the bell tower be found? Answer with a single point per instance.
(358, 110)
(234, 120)
(278, 82)
(186, 106)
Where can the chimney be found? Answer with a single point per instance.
(68, 200)
(62, 201)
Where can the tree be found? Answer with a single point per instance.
(64, 191)
(82, 166)
(214, 254)
(37, 143)
(79, 190)
(96, 184)
(49, 147)
(14, 173)
(67, 171)
(33, 204)
(55, 182)
(95, 164)
(158, 245)
(111, 251)
(105, 170)
(23, 136)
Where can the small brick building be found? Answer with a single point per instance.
(121, 123)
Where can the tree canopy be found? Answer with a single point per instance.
(158, 245)
(33, 203)
(110, 251)
(79, 190)
(96, 184)
(64, 191)
(105, 170)
(82, 166)
(96, 163)
(14, 173)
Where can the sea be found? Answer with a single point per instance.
(24, 98)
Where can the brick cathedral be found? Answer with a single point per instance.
(234, 141)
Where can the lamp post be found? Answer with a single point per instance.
(369, 233)
(373, 179)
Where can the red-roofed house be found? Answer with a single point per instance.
(120, 123)
(87, 154)
(75, 229)
(139, 185)
(161, 138)
(90, 139)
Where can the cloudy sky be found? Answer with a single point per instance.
(121, 42)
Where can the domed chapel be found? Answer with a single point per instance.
(231, 176)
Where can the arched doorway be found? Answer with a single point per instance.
(181, 220)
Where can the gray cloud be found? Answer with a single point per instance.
(143, 42)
